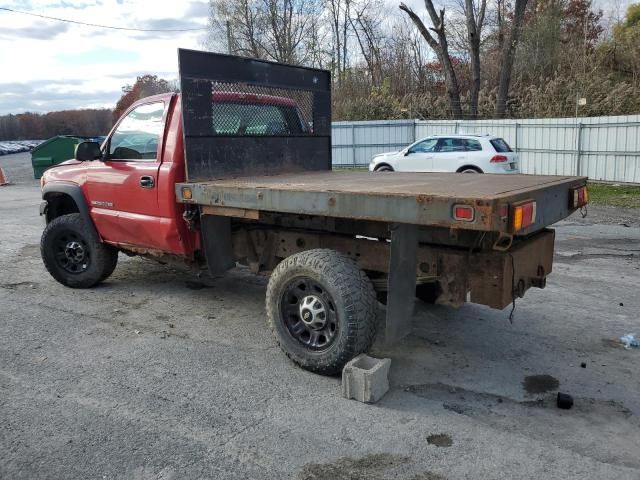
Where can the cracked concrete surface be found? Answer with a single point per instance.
(147, 377)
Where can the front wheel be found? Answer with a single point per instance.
(72, 254)
(321, 308)
(384, 168)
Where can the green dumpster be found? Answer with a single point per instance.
(53, 151)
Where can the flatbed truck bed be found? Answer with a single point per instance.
(425, 199)
(260, 191)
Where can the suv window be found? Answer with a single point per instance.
(500, 145)
(137, 135)
(472, 145)
(424, 146)
(451, 145)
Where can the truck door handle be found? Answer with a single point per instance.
(147, 181)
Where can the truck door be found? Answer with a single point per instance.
(419, 157)
(123, 193)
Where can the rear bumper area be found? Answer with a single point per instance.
(496, 277)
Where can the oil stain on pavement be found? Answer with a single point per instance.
(540, 384)
(377, 466)
(440, 440)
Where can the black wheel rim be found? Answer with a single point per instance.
(309, 314)
(72, 253)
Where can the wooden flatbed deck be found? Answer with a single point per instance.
(396, 197)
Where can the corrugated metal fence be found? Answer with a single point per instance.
(602, 148)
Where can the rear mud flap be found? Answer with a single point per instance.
(217, 244)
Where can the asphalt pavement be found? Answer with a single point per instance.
(160, 373)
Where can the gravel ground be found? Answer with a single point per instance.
(160, 374)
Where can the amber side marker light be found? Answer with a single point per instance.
(463, 213)
(187, 194)
(578, 197)
(524, 214)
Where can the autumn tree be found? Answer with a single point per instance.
(624, 48)
(40, 126)
(145, 86)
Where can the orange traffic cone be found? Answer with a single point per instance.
(3, 178)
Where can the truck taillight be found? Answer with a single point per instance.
(578, 197)
(464, 213)
(524, 214)
(499, 159)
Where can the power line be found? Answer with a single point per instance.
(103, 26)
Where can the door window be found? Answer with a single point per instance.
(137, 135)
(425, 146)
(451, 145)
(472, 145)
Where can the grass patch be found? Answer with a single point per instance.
(614, 195)
(350, 168)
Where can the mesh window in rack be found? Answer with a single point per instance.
(252, 110)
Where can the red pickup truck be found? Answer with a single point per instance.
(237, 169)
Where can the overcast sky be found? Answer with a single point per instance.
(47, 65)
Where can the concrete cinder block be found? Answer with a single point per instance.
(366, 378)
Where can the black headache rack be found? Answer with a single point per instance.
(246, 117)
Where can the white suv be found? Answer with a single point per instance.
(451, 153)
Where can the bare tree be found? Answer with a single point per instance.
(508, 56)
(280, 30)
(475, 21)
(366, 28)
(441, 49)
(339, 14)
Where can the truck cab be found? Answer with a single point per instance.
(125, 189)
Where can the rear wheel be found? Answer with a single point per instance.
(72, 254)
(469, 170)
(322, 309)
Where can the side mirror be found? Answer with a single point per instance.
(88, 151)
(407, 152)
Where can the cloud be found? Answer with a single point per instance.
(42, 95)
(133, 74)
(38, 31)
(197, 10)
(167, 24)
(90, 65)
(39, 96)
(98, 56)
(20, 88)
(73, 5)
(170, 24)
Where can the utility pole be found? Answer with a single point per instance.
(229, 36)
